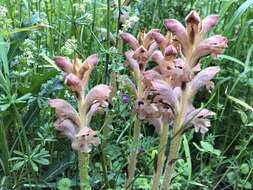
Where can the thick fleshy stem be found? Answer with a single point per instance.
(83, 158)
(176, 140)
(133, 156)
(83, 161)
(161, 156)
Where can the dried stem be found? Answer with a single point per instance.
(161, 156)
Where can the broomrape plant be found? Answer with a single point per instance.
(75, 125)
(165, 93)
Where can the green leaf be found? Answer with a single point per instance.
(240, 102)
(18, 165)
(237, 15)
(188, 157)
(34, 166)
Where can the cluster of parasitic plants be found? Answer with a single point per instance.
(164, 94)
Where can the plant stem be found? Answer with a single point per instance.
(132, 159)
(161, 156)
(4, 150)
(174, 147)
(175, 143)
(83, 160)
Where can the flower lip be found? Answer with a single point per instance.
(193, 17)
(63, 64)
(130, 39)
(170, 50)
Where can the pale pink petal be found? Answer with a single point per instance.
(130, 40)
(179, 30)
(157, 123)
(99, 93)
(92, 60)
(64, 110)
(134, 65)
(166, 91)
(198, 118)
(152, 48)
(63, 64)
(209, 22)
(93, 109)
(192, 17)
(141, 55)
(73, 82)
(85, 140)
(213, 45)
(170, 51)
(160, 40)
(203, 78)
(158, 57)
(67, 127)
(148, 40)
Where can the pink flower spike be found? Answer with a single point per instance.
(203, 78)
(130, 40)
(63, 64)
(209, 22)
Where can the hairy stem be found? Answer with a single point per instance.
(83, 160)
(174, 147)
(175, 143)
(133, 156)
(161, 156)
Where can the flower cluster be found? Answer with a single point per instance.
(178, 67)
(76, 125)
(165, 93)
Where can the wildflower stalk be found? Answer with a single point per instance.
(83, 157)
(133, 156)
(175, 143)
(136, 137)
(161, 156)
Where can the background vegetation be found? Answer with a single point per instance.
(34, 156)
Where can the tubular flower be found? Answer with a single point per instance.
(198, 119)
